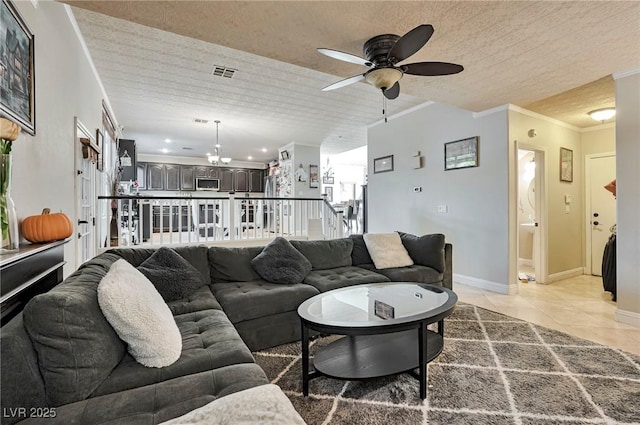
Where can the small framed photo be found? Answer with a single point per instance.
(17, 70)
(100, 142)
(461, 154)
(327, 179)
(383, 310)
(284, 155)
(314, 181)
(566, 165)
(329, 192)
(383, 164)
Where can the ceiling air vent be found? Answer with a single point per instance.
(223, 71)
(186, 148)
(200, 121)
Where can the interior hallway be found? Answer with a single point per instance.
(577, 306)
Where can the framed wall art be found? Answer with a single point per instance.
(383, 164)
(327, 179)
(329, 192)
(566, 165)
(314, 180)
(17, 80)
(461, 153)
(100, 143)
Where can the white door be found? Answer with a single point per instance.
(602, 208)
(86, 198)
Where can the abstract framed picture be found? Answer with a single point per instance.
(329, 192)
(17, 80)
(566, 165)
(314, 181)
(461, 153)
(383, 164)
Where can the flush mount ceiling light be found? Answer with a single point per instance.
(602, 114)
(215, 159)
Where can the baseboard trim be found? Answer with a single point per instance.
(565, 274)
(628, 317)
(500, 288)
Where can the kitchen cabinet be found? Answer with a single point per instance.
(187, 177)
(241, 180)
(155, 176)
(172, 177)
(226, 176)
(256, 181)
(141, 175)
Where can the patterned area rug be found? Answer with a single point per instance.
(494, 370)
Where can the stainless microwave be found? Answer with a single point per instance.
(207, 184)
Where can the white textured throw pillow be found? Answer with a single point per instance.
(139, 315)
(386, 250)
(264, 405)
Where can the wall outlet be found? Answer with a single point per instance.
(567, 209)
(443, 209)
(417, 189)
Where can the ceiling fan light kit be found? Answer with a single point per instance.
(603, 114)
(383, 52)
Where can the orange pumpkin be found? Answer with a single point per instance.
(46, 227)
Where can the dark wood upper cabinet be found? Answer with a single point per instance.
(255, 180)
(187, 177)
(241, 180)
(155, 176)
(226, 176)
(141, 175)
(172, 181)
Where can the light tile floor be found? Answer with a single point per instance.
(578, 306)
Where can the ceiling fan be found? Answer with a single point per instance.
(383, 52)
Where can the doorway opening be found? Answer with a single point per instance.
(531, 213)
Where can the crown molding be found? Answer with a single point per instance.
(401, 113)
(598, 127)
(618, 75)
(490, 111)
(532, 114)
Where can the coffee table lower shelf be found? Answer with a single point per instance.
(373, 356)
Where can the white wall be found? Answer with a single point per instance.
(44, 170)
(477, 198)
(599, 139)
(306, 155)
(628, 196)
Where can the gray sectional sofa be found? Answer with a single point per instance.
(62, 353)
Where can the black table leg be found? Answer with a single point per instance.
(441, 327)
(422, 341)
(305, 360)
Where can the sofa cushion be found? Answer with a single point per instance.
(159, 402)
(259, 298)
(360, 253)
(232, 264)
(139, 315)
(280, 262)
(414, 273)
(326, 280)
(201, 299)
(22, 385)
(386, 250)
(172, 275)
(209, 341)
(196, 255)
(426, 250)
(327, 254)
(265, 405)
(77, 348)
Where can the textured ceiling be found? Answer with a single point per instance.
(524, 53)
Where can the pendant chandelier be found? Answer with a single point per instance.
(216, 159)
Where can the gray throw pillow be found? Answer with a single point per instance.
(280, 262)
(172, 275)
(427, 250)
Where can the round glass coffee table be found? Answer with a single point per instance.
(385, 326)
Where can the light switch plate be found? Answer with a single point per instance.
(443, 208)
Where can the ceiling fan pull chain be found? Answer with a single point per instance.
(384, 107)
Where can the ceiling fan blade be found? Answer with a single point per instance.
(347, 57)
(393, 92)
(410, 43)
(431, 68)
(345, 82)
